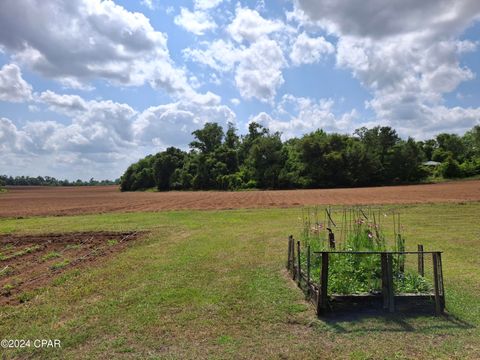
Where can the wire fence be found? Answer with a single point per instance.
(390, 276)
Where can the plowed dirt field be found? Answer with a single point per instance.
(28, 262)
(32, 201)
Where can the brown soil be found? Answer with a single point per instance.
(28, 262)
(28, 201)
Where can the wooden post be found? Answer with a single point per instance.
(383, 261)
(391, 304)
(331, 238)
(421, 262)
(323, 295)
(308, 269)
(292, 256)
(299, 266)
(440, 273)
(294, 273)
(436, 283)
(289, 258)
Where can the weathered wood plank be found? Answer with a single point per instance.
(323, 295)
(436, 284)
(391, 297)
(440, 273)
(421, 261)
(289, 257)
(308, 270)
(383, 262)
(299, 269)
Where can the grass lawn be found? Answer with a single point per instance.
(433, 179)
(211, 284)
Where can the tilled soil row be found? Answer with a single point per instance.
(40, 201)
(28, 262)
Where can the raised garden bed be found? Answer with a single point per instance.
(361, 268)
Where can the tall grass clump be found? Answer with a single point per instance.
(357, 229)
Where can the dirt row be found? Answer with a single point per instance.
(28, 262)
(31, 201)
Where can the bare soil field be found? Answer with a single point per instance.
(32, 201)
(28, 262)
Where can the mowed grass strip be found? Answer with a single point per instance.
(211, 284)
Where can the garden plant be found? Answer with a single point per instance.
(358, 230)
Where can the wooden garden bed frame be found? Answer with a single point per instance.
(318, 294)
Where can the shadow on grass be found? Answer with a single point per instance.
(365, 319)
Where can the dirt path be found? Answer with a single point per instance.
(30, 201)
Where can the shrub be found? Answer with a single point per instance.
(470, 168)
(451, 169)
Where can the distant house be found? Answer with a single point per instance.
(431, 163)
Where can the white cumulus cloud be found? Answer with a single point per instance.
(407, 53)
(256, 59)
(250, 26)
(173, 124)
(259, 73)
(295, 116)
(197, 22)
(12, 86)
(84, 40)
(309, 50)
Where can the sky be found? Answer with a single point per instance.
(88, 86)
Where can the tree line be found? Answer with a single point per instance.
(51, 181)
(223, 160)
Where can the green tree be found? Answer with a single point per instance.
(364, 167)
(138, 175)
(428, 147)
(165, 165)
(324, 159)
(207, 139)
(255, 131)
(266, 160)
(379, 141)
(450, 168)
(453, 144)
(228, 152)
(405, 162)
(471, 141)
(291, 174)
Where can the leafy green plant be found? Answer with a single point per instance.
(112, 242)
(7, 289)
(26, 296)
(410, 282)
(358, 273)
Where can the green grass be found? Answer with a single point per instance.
(211, 284)
(22, 252)
(112, 242)
(60, 265)
(439, 179)
(51, 255)
(7, 270)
